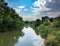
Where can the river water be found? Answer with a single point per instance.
(30, 38)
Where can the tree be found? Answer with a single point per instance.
(9, 19)
(37, 22)
(51, 19)
(45, 19)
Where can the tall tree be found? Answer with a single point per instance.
(9, 19)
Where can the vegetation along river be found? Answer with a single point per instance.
(30, 38)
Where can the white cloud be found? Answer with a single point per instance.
(41, 6)
(21, 7)
(50, 0)
(25, 9)
(30, 17)
(39, 10)
(40, 3)
(17, 10)
(56, 13)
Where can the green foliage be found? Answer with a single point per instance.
(9, 19)
(45, 19)
(51, 19)
(44, 30)
(56, 22)
(49, 30)
(51, 40)
(35, 23)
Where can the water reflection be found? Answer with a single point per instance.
(30, 38)
(9, 38)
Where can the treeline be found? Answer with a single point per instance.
(49, 28)
(9, 19)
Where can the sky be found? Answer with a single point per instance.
(35, 9)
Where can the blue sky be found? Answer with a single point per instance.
(21, 3)
(34, 9)
(15, 3)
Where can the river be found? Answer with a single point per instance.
(30, 38)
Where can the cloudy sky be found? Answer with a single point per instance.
(33, 9)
